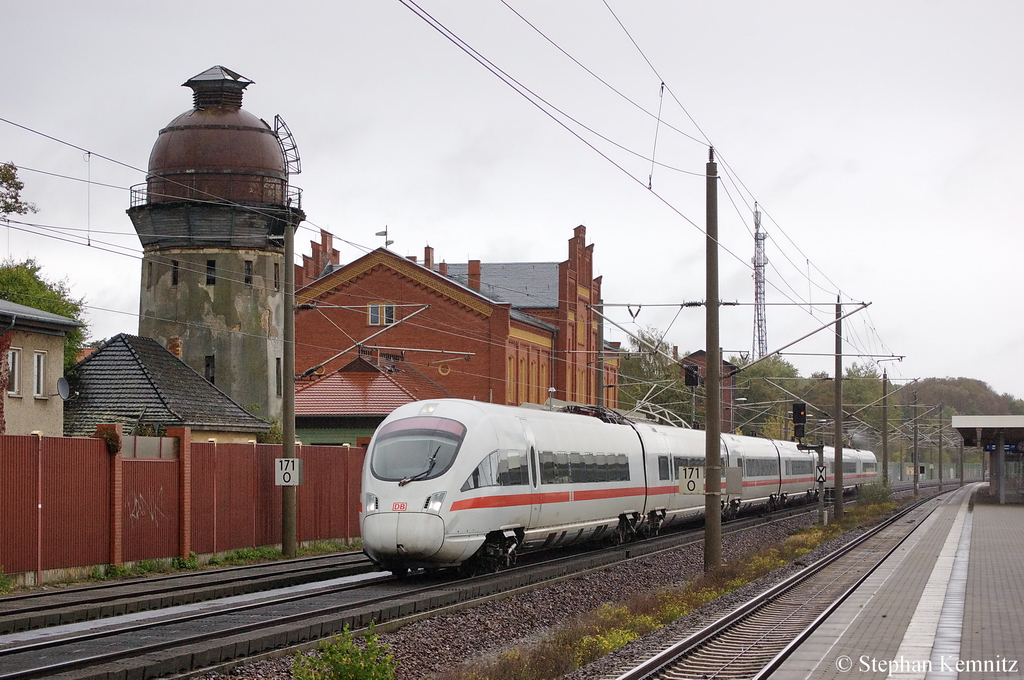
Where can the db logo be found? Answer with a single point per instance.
(399, 507)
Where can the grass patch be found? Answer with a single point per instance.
(598, 633)
(6, 582)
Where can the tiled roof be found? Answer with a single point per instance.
(133, 380)
(527, 285)
(365, 389)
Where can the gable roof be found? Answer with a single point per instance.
(444, 286)
(132, 380)
(527, 285)
(361, 388)
(27, 318)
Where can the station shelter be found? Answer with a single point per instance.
(1002, 437)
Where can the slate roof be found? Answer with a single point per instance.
(362, 388)
(36, 320)
(527, 285)
(132, 380)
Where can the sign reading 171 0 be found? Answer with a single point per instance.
(287, 471)
(691, 480)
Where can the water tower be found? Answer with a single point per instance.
(212, 217)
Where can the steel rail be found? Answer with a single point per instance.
(661, 662)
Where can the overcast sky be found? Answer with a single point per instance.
(883, 141)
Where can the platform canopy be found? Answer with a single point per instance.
(1011, 427)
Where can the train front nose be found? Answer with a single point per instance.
(403, 536)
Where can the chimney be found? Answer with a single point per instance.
(174, 346)
(411, 258)
(474, 274)
(442, 269)
(428, 257)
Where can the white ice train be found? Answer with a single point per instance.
(464, 483)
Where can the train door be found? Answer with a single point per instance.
(534, 457)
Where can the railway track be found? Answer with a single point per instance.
(183, 639)
(61, 606)
(751, 641)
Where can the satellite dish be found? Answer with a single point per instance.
(62, 388)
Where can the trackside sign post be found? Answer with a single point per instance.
(287, 471)
(691, 480)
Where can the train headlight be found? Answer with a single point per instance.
(371, 503)
(434, 502)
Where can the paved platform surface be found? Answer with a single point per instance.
(949, 603)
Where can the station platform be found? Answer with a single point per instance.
(948, 603)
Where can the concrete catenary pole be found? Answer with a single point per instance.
(838, 438)
(885, 428)
(712, 385)
(288, 493)
(917, 469)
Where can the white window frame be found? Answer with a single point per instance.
(39, 375)
(14, 371)
(380, 314)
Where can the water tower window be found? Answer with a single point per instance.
(149, 275)
(174, 272)
(208, 369)
(280, 377)
(277, 276)
(211, 272)
(248, 272)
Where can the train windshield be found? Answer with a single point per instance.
(417, 448)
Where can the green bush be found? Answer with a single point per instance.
(6, 582)
(343, 659)
(874, 494)
(181, 563)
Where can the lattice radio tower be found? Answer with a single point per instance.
(760, 326)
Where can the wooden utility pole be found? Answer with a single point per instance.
(839, 412)
(289, 534)
(712, 384)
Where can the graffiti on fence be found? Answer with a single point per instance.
(147, 505)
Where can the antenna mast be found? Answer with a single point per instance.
(760, 325)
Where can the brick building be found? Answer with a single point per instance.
(497, 332)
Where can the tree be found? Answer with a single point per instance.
(767, 408)
(21, 282)
(10, 192)
(650, 380)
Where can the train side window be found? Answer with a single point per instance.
(850, 467)
(533, 464)
(800, 467)
(739, 463)
(576, 471)
(517, 470)
(484, 474)
(561, 467)
(601, 468)
(590, 461)
(663, 473)
(870, 466)
(547, 467)
(623, 467)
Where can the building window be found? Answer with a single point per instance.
(248, 272)
(14, 371)
(39, 374)
(280, 378)
(174, 272)
(149, 275)
(211, 272)
(277, 276)
(381, 315)
(208, 369)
